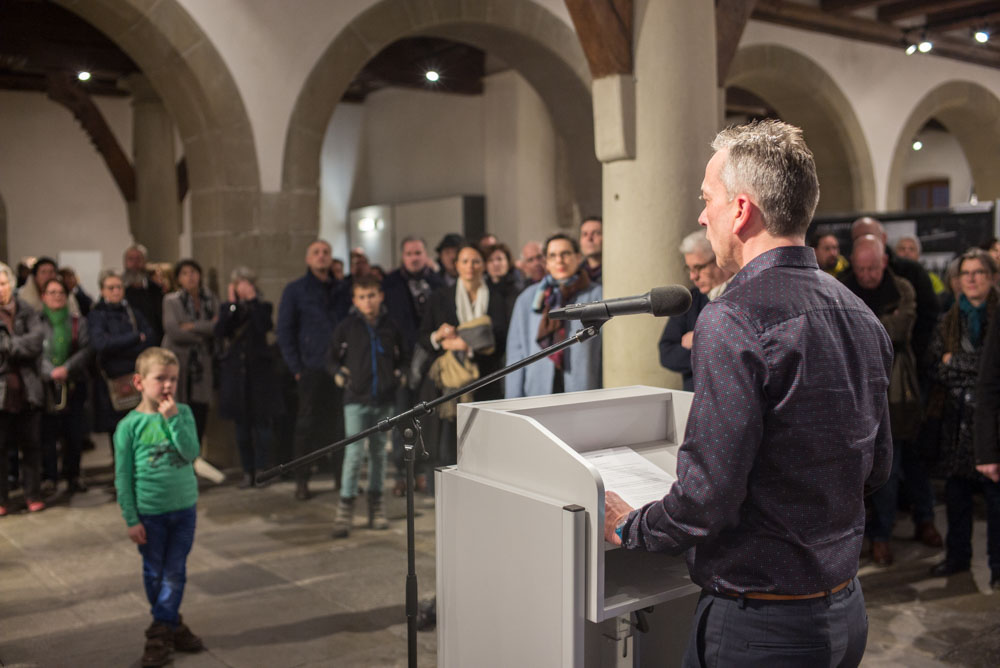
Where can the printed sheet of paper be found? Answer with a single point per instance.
(636, 479)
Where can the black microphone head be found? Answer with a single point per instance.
(669, 300)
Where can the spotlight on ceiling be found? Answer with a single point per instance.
(982, 36)
(911, 49)
(83, 76)
(925, 46)
(432, 76)
(917, 144)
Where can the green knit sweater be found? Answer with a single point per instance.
(153, 471)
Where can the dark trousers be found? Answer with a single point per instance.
(21, 431)
(958, 493)
(827, 631)
(169, 538)
(320, 420)
(69, 426)
(253, 439)
(200, 413)
(909, 475)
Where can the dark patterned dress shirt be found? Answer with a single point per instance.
(788, 429)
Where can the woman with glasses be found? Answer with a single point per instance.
(65, 360)
(118, 333)
(955, 351)
(566, 282)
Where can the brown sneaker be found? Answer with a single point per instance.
(184, 640)
(159, 646)
(928, 535)
(881, 554)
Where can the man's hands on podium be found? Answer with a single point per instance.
(615, 512)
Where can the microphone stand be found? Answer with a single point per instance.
(413, 444)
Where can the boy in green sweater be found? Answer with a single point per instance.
(155, 445)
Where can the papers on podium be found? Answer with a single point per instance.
(633, 477)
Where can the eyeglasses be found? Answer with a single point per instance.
(565, 255)
(698, 268)
(973, 273)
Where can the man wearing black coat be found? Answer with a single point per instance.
(311, 307)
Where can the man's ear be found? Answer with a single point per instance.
(743, 212)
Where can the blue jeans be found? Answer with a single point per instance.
(356, 418)
(827, 631)
(164, 560)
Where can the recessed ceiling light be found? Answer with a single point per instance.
(432, 76)
(917, 144)
(982, 36)
(83, 76)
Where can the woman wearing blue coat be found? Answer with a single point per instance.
(572, 369)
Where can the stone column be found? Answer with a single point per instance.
(155, 215)
(653, 180)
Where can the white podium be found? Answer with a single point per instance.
(524, 576)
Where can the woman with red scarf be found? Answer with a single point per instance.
(570, 370)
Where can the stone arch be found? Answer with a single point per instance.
(805, 95)
(971, 113)
(187, 72)
(541, 47)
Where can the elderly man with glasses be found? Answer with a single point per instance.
(710, 280)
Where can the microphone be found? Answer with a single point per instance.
(661, 301)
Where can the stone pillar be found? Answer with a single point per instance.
(651, 191)
(155, 215)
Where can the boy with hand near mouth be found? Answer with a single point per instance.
(155, 445)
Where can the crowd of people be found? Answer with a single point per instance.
(944, 389)
(347, 351)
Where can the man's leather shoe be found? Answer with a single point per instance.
(928, 535)
(946, 568)
(881, 554)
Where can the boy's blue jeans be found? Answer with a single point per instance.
(164, 560)
(356, 418)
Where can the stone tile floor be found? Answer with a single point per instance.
(268, 587)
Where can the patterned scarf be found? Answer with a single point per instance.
(552, 294)
(196, 367)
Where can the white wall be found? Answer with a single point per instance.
(338, 168)
(417, 145)
(520, 161)
(270, 48)
(940, 158)
(882, 83)
(59, 194)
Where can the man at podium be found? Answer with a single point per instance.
(788, 429)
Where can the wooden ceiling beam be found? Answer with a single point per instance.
(853, 27)
(731, 18)
(905, 9)
(847, 6)
(604, 28)
(976, 15)
(67, 92)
